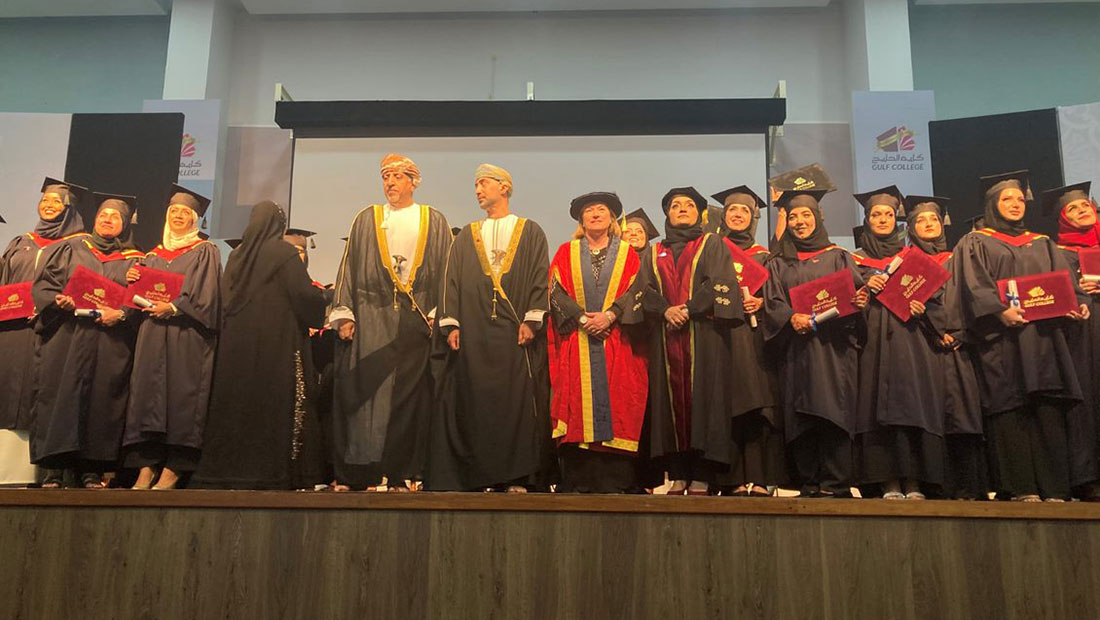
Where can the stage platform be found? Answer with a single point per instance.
(227, 554)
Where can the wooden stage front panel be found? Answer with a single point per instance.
(210, 554)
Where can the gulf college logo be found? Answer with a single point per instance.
(188, 147)
(896, 139)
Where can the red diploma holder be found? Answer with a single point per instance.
(916, 279)
(1041, 296)
(751, 275)
(155, 285)
(16, 302)
(92, 291)
(825, 298)
(1090, 264)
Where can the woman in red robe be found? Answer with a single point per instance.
(597, 358)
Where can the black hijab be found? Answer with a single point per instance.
(261, 253)
(935, 246)
(67, 223)
(874, 245)
(677, 237)
(993, 217)
(743, 239)
(125, 239)
(790, 245)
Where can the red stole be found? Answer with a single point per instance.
(171, 255)
(43, 242)
(1017, 241)
(675, 282)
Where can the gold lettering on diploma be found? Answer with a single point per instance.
(913, 285)
(13, 302)
(824, 302)
(1037, 298)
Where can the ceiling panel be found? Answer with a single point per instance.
(285, 7)
(82, 8)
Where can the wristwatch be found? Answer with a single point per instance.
(583, 320)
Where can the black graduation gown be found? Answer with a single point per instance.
(262, 431)
(383, 389)
(21, 262)
(174, 358)
(492, 417)
(965, 469)
(704, 278)
(82, 368)
(900, 412)
(1019, 367)
(1084, 343)
(820, 369)
(756, 452)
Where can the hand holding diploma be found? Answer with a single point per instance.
(1013, 317)
(916, 308)
(877, 282)
(133, 274)
(160, 310)
(1081, 314)
(109, 317)
(1089, 285)
(862, 296)
(802, 323)
(64, 302)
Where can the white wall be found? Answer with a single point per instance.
(648, 55)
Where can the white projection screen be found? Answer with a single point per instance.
(334, 178)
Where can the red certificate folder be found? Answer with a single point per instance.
(1043, 295)
(1090, 262)
(156, 285)
(16, 302)
(832, 291)
(92, 291)
(750, 273)
(916, 279)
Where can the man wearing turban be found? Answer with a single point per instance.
(492, 428)
(387, 284)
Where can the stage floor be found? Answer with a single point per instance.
(253, 554)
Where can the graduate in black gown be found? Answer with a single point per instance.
(1078, 230)
(692, 291)
(821, 363)
(899, 425)
(952, 385)
(638, 230)
(756, 458)
(262, 431)
(174, 356)
(387, 290)
(58, 220)
(83, 363)
(1026, 372)
(492, 421)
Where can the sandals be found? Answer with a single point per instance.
(91, 480)
(893, 495)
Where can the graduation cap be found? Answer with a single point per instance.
(131, 201)
(611, 199)
(785, 198)
(1020, 176)
(740, 189)
(345, 239)
(304, 234)
(977, 222)
(911, 202)
(76, 191)
(233, 243)
(2, 220)
(1057, 199)
(454, 232)
(638, 215)
(812, 176)
(890, 190)
(183, 196)
(690, 192)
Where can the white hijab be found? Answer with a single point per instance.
(172, 241)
